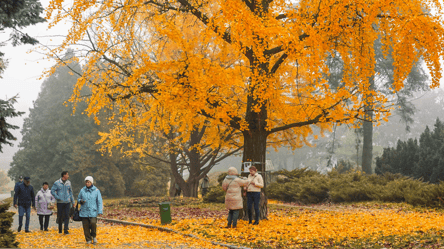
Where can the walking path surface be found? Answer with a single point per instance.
(109, 236)
(4, 196)
(34, 224)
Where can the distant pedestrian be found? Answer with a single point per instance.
(92, 206)
(24, 199)
(19, 182)
(45, 203)
(178, 189)
(205, 185)
(62, 192)
(256, 183)
(232, 184)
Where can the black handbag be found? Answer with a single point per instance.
(76, 216)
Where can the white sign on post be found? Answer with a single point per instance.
(247, 166)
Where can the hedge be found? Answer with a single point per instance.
(310, 187)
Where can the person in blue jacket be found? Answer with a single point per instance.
(62, 192)
(24, 197)
(92, 206)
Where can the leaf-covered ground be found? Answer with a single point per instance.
(110, 236)
(357, 225)
(375, 225)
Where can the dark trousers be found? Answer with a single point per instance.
(63, 215)
(204, 191)
(253, 197)
(22, 211)
(45, 225)
(89, 228)
(233, 215)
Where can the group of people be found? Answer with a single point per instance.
(61, 194)
(235, 186)
(204, 186)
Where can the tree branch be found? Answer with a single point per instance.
(278, 63)
(203, 18)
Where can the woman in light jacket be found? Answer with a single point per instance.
(256, 183)
(92, 206)
(43, 200)
(232, 184)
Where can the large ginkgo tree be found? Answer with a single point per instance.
(255, 66)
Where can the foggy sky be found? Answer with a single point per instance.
(21, 76)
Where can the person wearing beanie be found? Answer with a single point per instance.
(92, 206)
(232, 184)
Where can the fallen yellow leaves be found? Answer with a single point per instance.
(291, 228)
(110, 236)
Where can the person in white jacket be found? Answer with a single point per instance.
(44, 202)
(256, 183)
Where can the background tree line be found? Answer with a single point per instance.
(56, 139)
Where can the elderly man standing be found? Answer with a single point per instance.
(62, 191)
(23, 198)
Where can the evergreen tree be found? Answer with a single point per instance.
(424, 161)
(17, 14)
(55, 139)
(7, 111)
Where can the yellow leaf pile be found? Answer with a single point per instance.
(110, 236)
(291, 228)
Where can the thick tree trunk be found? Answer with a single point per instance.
(255, 149)
(367, 148)
(191, 187)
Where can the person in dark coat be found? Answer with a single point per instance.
(19, 182)
(205, 185)
(24, 197)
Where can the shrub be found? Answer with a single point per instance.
(215, 194)
(7, 237)
(354, 186)
(313, 189)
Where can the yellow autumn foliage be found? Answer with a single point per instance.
(256, 66)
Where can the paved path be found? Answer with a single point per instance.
(4, 196)
(34, 224)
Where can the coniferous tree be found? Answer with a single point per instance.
(424, 161)
(7, 111)
(56, 139)
(17, 14)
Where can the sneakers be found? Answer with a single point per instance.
(66, 232)
(256, 223)
(27, 231)
(88, 242)
(94, 241)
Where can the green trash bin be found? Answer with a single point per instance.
(165, 213)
